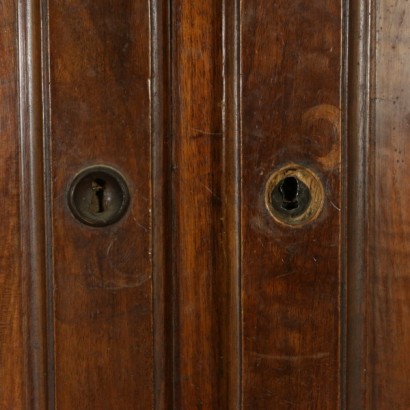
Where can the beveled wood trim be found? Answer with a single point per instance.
(357, 173)
(161, 204)
(48, 201)
(231, 189)
(33, 242)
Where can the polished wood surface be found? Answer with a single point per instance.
(197, 162)
(99, 113)
(389, 262)
(198, 298)
(12, 358)
(291, 277)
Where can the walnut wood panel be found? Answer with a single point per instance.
(99, 113)
(389, 279)
(291, 67)
(11, 337)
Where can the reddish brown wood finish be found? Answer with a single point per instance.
(197, 167)
(161, 206)
(357, 180)
(291, 101)
(197, 298)
(99, 106)
(389, 279)
(11, 313)
(206, 204)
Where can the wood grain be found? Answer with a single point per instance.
(389, 286)
(231, 205)
(99, 54)
(12, 394)
(197, 298)
(197, 204)
(161, 206)
(290, 112)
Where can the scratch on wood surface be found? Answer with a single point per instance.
(261, 242)
(334, 205)
(292, 358)
(210, 190)
(143, 227)
(110, 246)
(205, 133)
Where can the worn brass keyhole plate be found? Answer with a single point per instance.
(294, 195)
(98, 196)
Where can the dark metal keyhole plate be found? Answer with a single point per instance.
(294, 195)
(98, 196)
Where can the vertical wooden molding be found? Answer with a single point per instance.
(32, 202)
(161, 207)
(232, 201)
(48, 201)
(357, 200)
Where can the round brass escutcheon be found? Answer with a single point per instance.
(294, 195)
(98, 196)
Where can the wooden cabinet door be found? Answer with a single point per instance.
(253, 155)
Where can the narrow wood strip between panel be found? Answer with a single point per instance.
(344, 178)
(162, 312)
(198, 251)
(232, 199)
(173, 215)
(32, 202)
(358, 125)
(48, 201)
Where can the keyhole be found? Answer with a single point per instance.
(98, 196)
(294, 195)
(290, 196)
(289, 188)
(99, 187)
